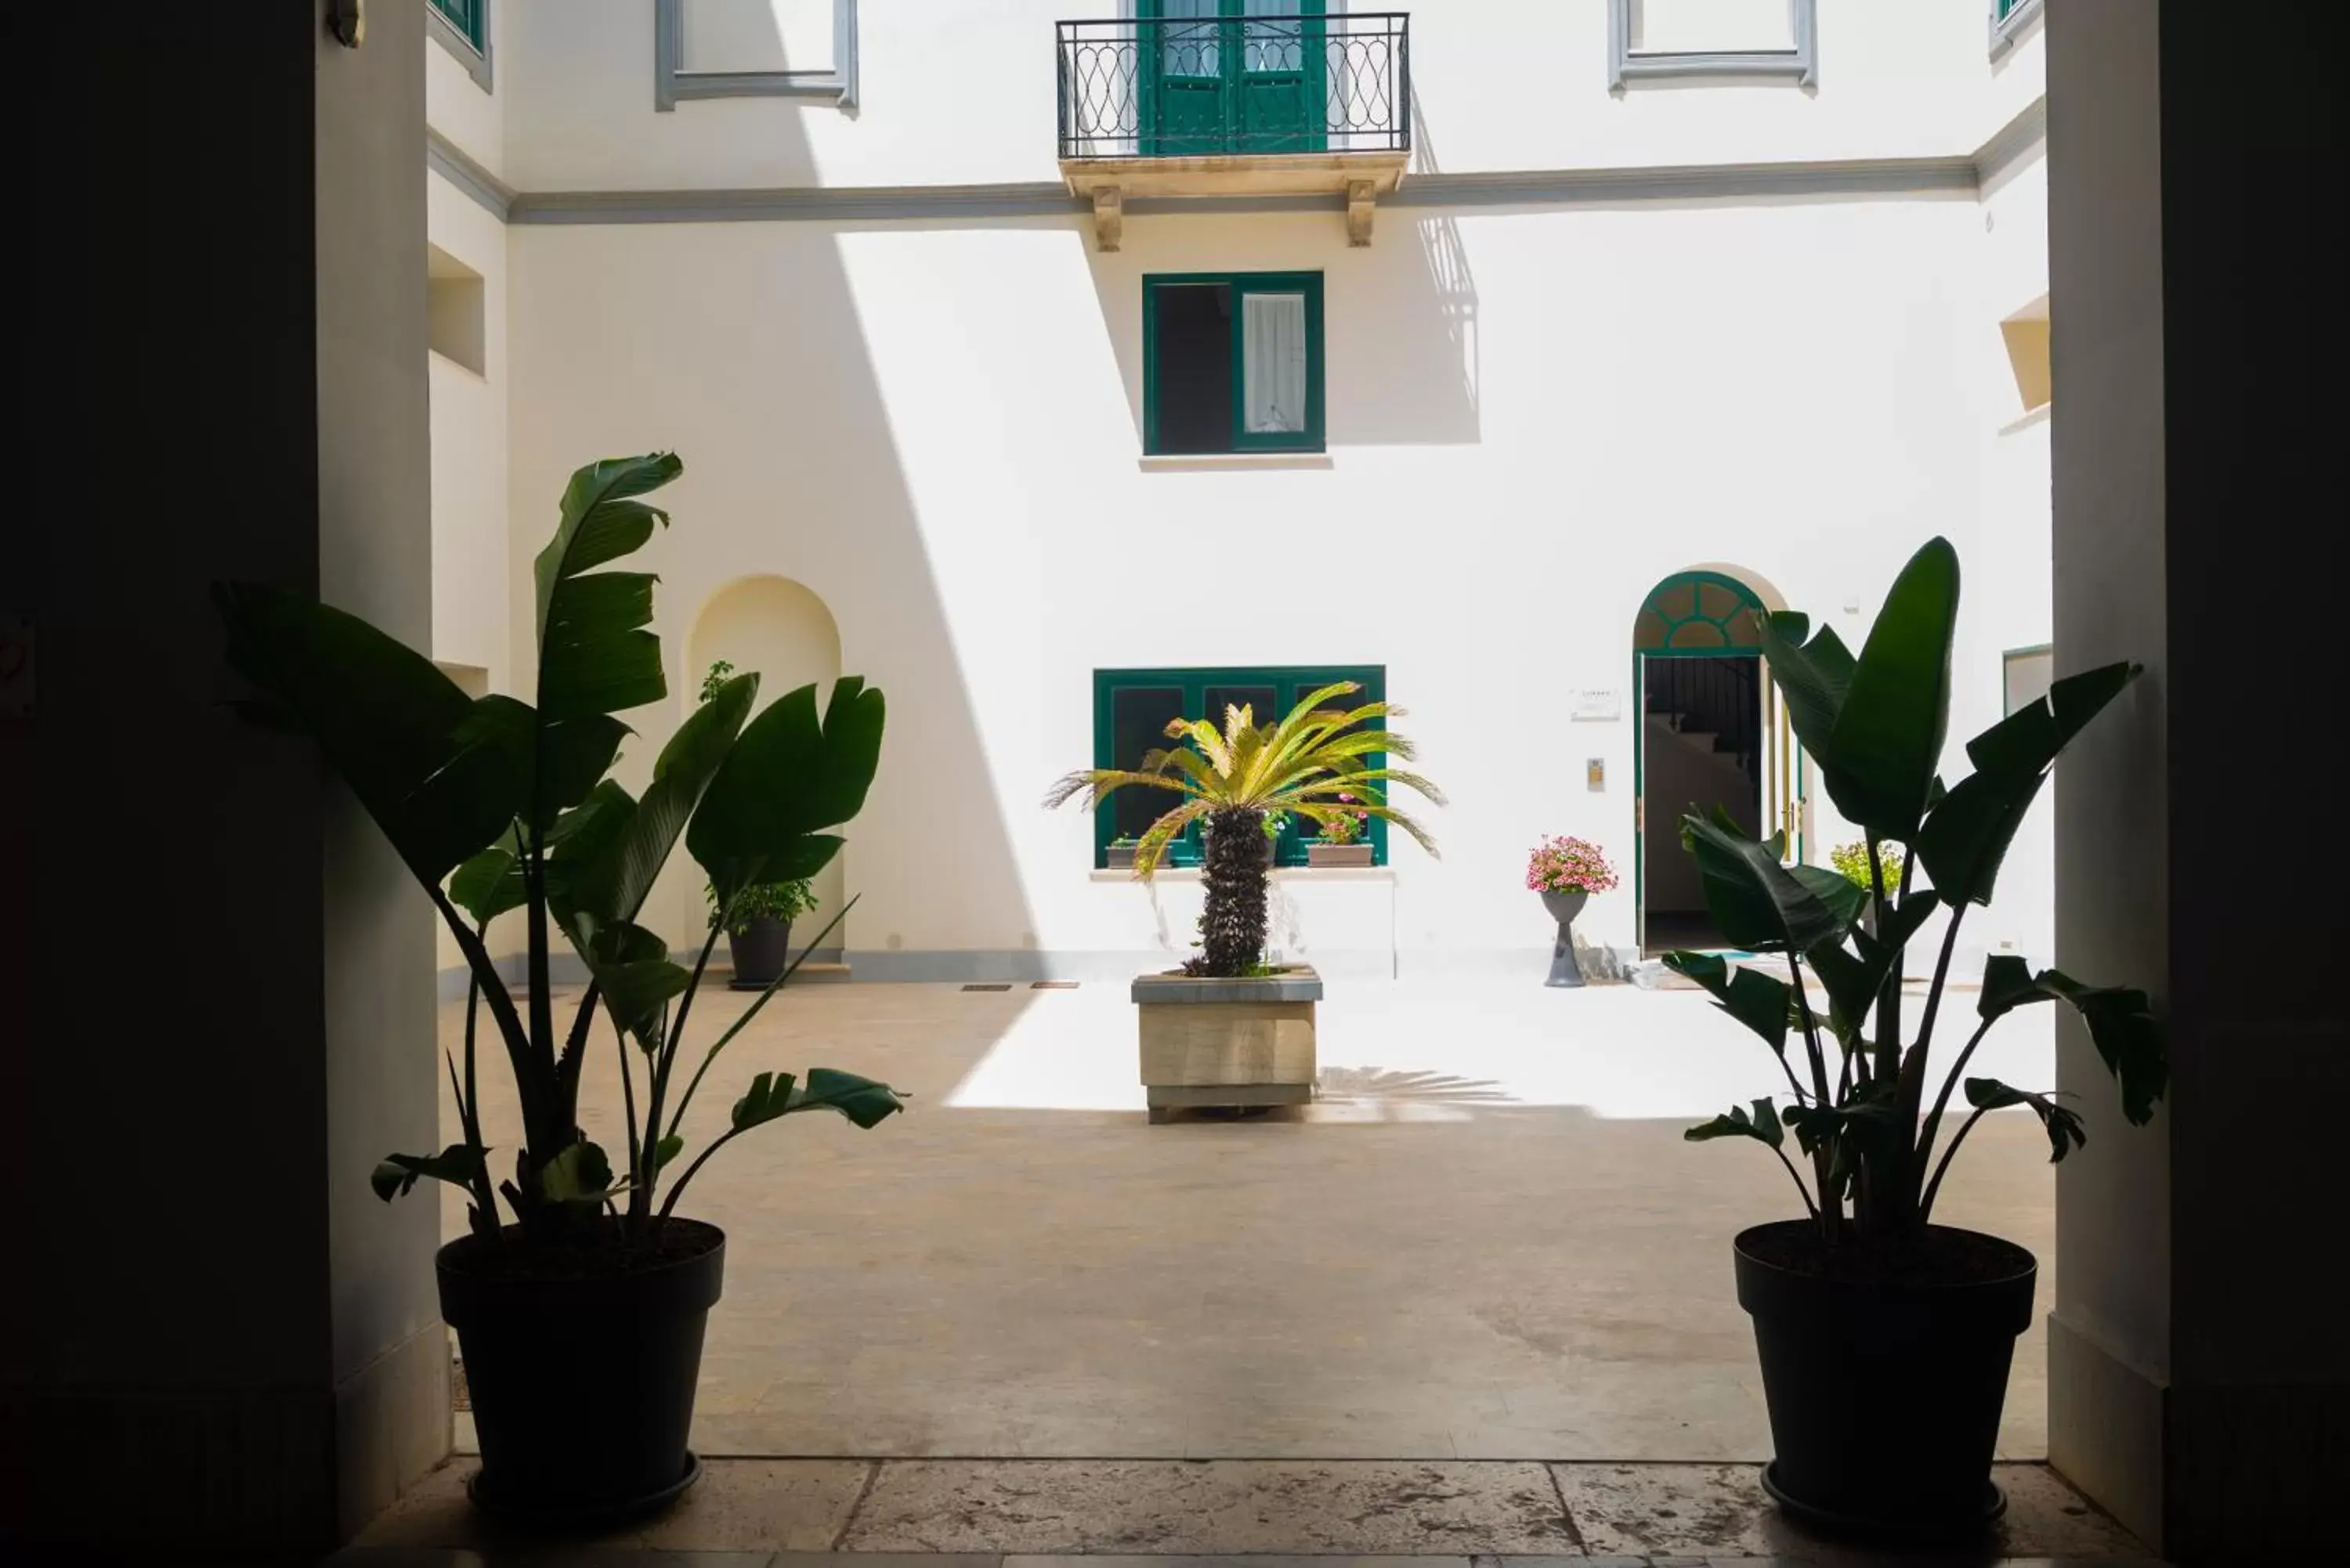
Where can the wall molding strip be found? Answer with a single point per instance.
(453, 164)
(2011, 144)
(1892, 177)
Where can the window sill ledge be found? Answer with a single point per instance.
(1281, 874)
(1212, 461)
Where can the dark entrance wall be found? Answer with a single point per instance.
(218, 984)
(2198, 1375)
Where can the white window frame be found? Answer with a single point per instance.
(673, 84)
(1799, 64)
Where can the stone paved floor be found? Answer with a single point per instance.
(1488, 1241)
(967, 1513)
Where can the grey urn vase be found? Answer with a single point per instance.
(1563, 907)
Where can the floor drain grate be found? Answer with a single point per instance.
(1052, 985)
(990, 985)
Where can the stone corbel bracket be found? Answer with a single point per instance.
(1109, 217)
(1362, 196)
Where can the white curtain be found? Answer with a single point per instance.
(1272, 362)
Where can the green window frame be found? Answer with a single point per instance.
(1231, 76)
(1241, 285)
(470, 18)
(1290, 684)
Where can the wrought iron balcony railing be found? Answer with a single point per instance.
(1208, 86)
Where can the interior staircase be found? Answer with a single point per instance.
(1709, 705)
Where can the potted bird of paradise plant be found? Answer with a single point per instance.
(580, 1317)
(1885, 1338)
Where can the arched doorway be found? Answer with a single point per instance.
(1711, 732)
(784, 631)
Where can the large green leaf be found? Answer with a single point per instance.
(387, 721)
(1762, 1125)
(629, 852)
(488, 885)
(595, 656)
(460, 1165)
(861, 1100)
(1880, 761)
(581, 1173)
(786, 776)
(1813, 673)
(1760, 904)
(574, 753)
(1966, 836)
(632, 972)
(2063, 1128)
(1854, 980)
(2120, 1021)
(1756, 1000)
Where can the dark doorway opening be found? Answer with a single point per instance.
(1701, 747)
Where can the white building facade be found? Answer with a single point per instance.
(1668, 309)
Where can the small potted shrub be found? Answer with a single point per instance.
(1884, 1338)
(1228, 1029)
(1342, 838)
(1566, 871)
(759, 928)
(580, 1318)
(1120, 854)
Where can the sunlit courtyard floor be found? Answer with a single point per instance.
(1487, 1239)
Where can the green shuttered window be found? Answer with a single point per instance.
(1131, 711)
(1231, 362)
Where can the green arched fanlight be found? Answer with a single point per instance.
(1698, 613)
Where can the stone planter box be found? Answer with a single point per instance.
(1226, 1042)
(1120, 856)
(1337, 854)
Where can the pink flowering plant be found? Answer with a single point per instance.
(1569, 864)
(1347, 824)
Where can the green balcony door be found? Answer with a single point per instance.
(1231, 76)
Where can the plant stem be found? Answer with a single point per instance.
(1925, 1204)
(501, 1007)
(1942, 1100)
(641, 1200)
(1910, 1091)
(1888, 993)
(1826, 1212)
(677, 1187)
(637, 1173)
(748, 1013)
(1811, 1209)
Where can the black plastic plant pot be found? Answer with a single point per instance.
(1884, 1392)
(760, 953)
(582, 1370)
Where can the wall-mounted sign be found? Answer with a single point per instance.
(1594, 703)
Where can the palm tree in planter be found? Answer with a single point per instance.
(1228, 1029)
(1885, 1339)
(581, 1320)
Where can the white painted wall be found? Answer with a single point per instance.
(1535, 414)
(963, 92)
(460, 108)
(1534, 417)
